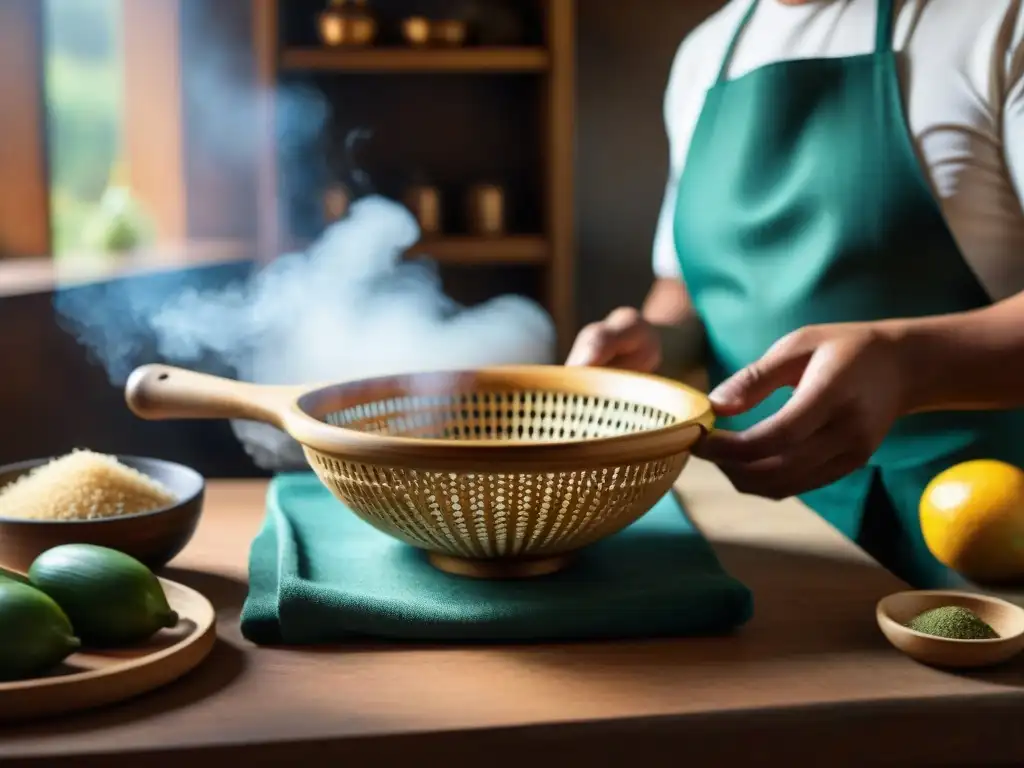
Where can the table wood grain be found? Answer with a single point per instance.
(810, 678)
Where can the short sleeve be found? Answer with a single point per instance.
(666, 261)
(693, 72)
(1013, 111)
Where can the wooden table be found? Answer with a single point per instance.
(810, 679)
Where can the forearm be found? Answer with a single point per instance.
(669, 309)
(668, 303)
(683, 351)
(965, 361)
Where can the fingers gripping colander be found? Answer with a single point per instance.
(496, 473)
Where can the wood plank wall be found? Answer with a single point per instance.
(24, 200)
(58, 396)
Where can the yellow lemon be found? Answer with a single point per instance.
(972, 519)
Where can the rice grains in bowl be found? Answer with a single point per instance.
(82, 485)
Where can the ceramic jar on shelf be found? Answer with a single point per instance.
(424, 201)
(485, 210)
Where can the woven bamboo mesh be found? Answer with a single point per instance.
(500, 515)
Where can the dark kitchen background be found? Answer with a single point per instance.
(55, 394)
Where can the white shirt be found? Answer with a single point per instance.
(963, 86)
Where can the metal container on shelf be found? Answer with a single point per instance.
(486, 210)
(451, 33)
(416, 31)
(347, 23)
(421, 32)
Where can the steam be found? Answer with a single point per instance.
(350, 307)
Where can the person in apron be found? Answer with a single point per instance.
(854, 351)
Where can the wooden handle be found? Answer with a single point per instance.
(158, 392)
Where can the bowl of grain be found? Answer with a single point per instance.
(146, 508)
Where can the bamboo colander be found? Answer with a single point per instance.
(499, 472)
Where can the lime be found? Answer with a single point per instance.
(36, 634)
(111, 598)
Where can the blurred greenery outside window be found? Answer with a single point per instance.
(90, 209)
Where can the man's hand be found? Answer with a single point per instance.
(622, 340)
(851, 383)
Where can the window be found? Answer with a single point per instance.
(105, 147)
(84, 82)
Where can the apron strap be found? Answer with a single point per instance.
(727, 58)
(883, 34)
(883, 26)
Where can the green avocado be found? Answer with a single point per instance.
(111, 598)
(35, 634)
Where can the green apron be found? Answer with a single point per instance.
(802, 201)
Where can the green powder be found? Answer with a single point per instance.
(954, 622)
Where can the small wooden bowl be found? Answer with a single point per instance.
(154, 538)
(895, 611)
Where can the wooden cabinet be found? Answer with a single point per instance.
(454, 116)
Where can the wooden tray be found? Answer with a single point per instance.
(93, 679)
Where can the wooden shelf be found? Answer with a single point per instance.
(530, 116)
(470, 251)
(415, 60)
(481, 251)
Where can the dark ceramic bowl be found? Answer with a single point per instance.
(154, 538)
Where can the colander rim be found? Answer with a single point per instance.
(345, 444)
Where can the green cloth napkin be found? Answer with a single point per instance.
(318, 575)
